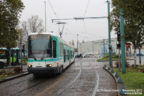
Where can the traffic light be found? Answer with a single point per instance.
(118, 39)
(23, 48)
(118, 45)
(118, 36)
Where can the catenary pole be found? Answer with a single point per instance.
(122, 41)
(77, 43)
(109, 35)
(45, 17)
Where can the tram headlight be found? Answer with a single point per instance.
(29, 65)
(57, 64)
(49, 65)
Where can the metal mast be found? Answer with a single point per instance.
(109, 35)
(45, 17)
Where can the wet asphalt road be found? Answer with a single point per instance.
(83, 78)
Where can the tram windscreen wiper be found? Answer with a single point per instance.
(33, 57)
(46, 53)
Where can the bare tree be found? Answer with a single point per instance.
(73, 43)
(24, 31)
(33, 25)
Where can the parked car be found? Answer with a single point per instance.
(79, 56)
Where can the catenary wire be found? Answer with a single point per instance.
(52, 8)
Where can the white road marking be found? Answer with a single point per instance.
(97, 84)
(62, 90)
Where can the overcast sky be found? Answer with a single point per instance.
(88, 30)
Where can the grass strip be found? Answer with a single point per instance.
(133, 79)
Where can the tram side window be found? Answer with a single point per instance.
(54, 48)
(66, 54)
(61, 49)
(70, 54)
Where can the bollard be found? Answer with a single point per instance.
(116, 75)
(106, 68)
(123, 91)
(112, 71)
(120, 80)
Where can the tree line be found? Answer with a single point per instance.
(10, 11)
(133, 20)
(9, 18)
(12, 32)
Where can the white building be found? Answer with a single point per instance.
(96, 47)
(101, 46)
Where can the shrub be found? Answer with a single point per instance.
(140, 68)
(2, 72)
(24, 60)
(17, 69)
(117, 64)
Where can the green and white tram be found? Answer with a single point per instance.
(15, 58)
(48, 53)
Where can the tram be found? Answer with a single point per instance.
(15, 58)
(47, 53)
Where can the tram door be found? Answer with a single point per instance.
(64, 55)
(14, 57)
(54, 48)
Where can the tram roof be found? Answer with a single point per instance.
(3, 48)
(46, 33)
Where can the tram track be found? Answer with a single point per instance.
(62, 90)
(59, 93)
(29, 82)
(97, 85)
(80, 79)
(79, 76)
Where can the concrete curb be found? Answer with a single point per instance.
(14, 77)
(118, 80)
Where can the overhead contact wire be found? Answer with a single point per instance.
(54, 12)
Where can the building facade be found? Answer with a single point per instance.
(97, 47)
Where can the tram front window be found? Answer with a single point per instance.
(3, 54)
(39, 46)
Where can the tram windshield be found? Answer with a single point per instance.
(3, 54)
(39, 46)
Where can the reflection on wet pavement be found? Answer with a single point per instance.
(83, 78)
